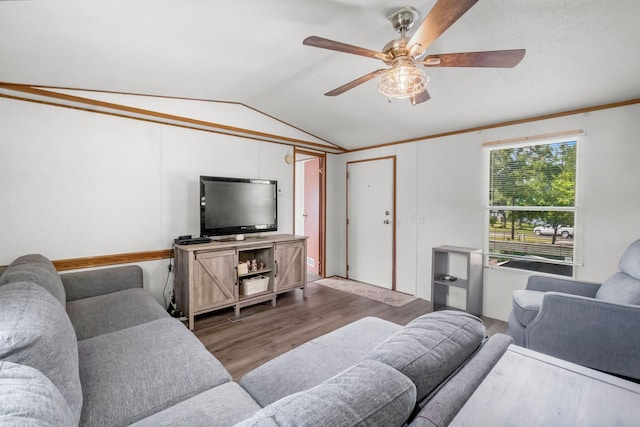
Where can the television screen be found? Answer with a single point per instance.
(237, 206)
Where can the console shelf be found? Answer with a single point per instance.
(207, 279)
(255, 273)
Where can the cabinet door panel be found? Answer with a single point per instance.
(214, 278)
(290, 265)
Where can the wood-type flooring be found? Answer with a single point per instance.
(264, 332)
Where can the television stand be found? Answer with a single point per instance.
(207, 277)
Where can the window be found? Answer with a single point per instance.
(531, 210)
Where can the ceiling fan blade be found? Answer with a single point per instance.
(441, 17)
(354, 83)
(492, 58)
(420, 97)
(343, 47)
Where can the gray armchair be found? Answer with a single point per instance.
(594, 325)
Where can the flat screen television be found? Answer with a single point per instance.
(236, 206)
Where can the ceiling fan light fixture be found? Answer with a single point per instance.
(402, 80)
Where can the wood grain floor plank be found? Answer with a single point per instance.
(265, 332)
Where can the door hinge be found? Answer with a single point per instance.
(321, 170)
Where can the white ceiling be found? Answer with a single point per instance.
(580, 53)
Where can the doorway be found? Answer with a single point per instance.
(309, 209)
(371, 213)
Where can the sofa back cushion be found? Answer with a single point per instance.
(28, 398)
(620, 289)
(445, 403)
(36, 331)
(431, 347)
(37, 269)
(367, 394)
(630, 261)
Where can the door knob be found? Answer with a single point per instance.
(386, 221)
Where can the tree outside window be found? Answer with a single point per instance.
(532, 199)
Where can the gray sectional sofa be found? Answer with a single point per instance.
(94, 348)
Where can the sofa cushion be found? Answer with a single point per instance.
(317, 360)
(114, 311)
(630, 261)
(440, 410)
(430, 347)
(367, 394)
(28, 398)
(221, 406)
(35, 331)
(36, 269)
(526, 305)
(132, 373)
(620, 289)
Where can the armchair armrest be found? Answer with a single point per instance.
(590, 332)
(567, 286)
(91, 283)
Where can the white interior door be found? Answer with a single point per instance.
(370, 221)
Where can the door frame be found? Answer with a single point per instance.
(322, 182)
(393, 210)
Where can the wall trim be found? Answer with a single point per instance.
(260, 136)
(504, 124)
(115, 259)
(57, 99)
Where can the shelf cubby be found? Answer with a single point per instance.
(466, 264)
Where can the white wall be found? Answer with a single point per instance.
(77, 184)
(443, 180)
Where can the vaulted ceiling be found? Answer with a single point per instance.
(247, 56)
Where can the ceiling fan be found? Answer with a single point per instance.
(404, 79)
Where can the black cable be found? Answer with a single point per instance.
(166, 283)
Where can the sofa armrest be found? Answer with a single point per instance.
(590, 332)
(91, 283)
(567, 286)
